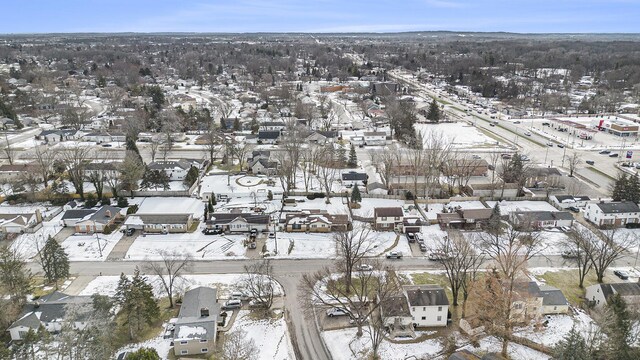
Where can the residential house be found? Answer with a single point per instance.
(397, 317)
(428, 304)
(19, 223)
(508, 190)
(175, 170)
(105, 216)
(388, 218)
(106, 169)
(541, 219)
(412, 224)
(598, 295)
(278, 126)
(47, 312)
(567, 201)
(465, 168)
(315, 221)
(375, 138)
(233, 222)
(72, 216)
(268, 137)
(384, 88)
(531, 301)
(354, 178)
(377, 188)
(18, 171)
(259, 154)
(98, 137)
(56, 136)
(322, 137)
(469, 219)
(615, 213)
(263, 167)
(541, 177)
(196, 327)
(165, 215)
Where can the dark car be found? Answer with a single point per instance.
(560, 145)
(590, 162)
(130, 231)
(411, 237)
(574, 209)
(604, 152)
(613, 155)
(212, 231)
(621, 274)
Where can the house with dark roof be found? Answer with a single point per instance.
(262, 166)
(464, 218)
(567, 201)
(47, 312)
(268, 137)
(531, 301)
(316, 221)
(243, 222)
(176, 170)
(322, 137)
(541, 219)
(614, 213)
(104, 217)
(196, 327)
(598, 295)
(388, 218)
(428, 304)
(397, 317)
(354, 178)
(18, 171)
(272, 126)
(72, 216)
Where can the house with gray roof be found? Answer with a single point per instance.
(175, 170)
(234, 222)
(48, 312)
(105, 216)
(196, 329)
(599, 294)
(614, 213)
(428, 304)
(541, 219)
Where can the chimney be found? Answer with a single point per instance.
(107, 213)
(204, 312)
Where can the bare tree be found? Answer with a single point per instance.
(461, 261)
(131, 171)
(171, 267)
(45, 156)
(153, 148)
(9, 151)
(578, 245)
(236, 345)
(327, 172)
(76, 159)
(606, 248)
(258, 282)
(352, 247)
(322, 288)
(212, 140)
(574, 162)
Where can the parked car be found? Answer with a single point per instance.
(337, 312)
(237, 295)
(107, 145)
(130, 231)
(524, 158)
(590, 162)
(549, 143)
(477, 157)
(621, 274)
(232, 304)
(604, 152)
(517, 122)
(561, 146)
(527, 133)
(212, 231)
(491, 167)
(411, 237)
(575, 209)
(492, 124)
(614, 155)
(546, 124)
(364, 267)
(423, 247)
(272, 235)
(394, 255)
(255, 304)
(506, 156)
(438, 256)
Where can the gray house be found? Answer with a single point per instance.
(197, 325)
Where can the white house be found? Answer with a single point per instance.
(388, 218)
(238, 222)
(616, 213)
(598, 295)
(428, 304)
(272, 126)
(375, 138)
(175, 170)
(542, 219)
(566, 201)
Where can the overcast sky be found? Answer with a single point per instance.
(537, 16)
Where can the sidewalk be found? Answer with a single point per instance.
(78, 284)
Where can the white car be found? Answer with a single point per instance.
(527, 133)
(337, 312)
(365, 267)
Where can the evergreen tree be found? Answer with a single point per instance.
(155, 179)
(572, 347)
(434, 112)
(494, 224)
(356, 197)
(157, 96)
(54, 261)
(353, 158)
(135, 298)
(15, 278)
(143, 354)
(192, 176)
(270, 195)
(213, 200)
(122, 202)
(619, 330)
(619, 190)
(236, 124)
(633, 189)
(206, 212)
(342, 156)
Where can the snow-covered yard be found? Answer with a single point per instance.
(557, 327)
(515, 351)
(368, 205)
(85, 247)
(461, 135)
(336, 206)
(305, 246)
(271, 336)
(344, 345)
(507, 207)
(27, 245)
(196, 244)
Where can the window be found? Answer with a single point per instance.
(413, 309)
(203, 340)
(424, 308)
(439, 308)
(184, 352)
(555, 308)
(184, 342)
(204, 350)
(439, 318)
(424, 318)
(384, 218)
(517, 306)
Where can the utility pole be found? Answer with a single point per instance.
(95, 230)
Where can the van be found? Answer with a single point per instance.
(232, 304)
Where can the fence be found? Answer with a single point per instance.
(167, 193)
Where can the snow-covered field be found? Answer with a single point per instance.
(368, 205)
(460, 135)
(344, 345)
(305, 246)
(85, 247)
(196, 244)
(269, 335)
(336, 206)
(225, 283)
(507, 207)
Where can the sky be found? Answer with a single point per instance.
(522, 16)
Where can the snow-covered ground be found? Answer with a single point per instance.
(460, 135)
(344, 345)
(368, 205)
(336, 206)
(85, 247)
(305, 246)
(507, 207)
(515, 351)
(27, 245)
(225, 283)
(271, 336)
(161, 345)
(557, 327)
(196, 244)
